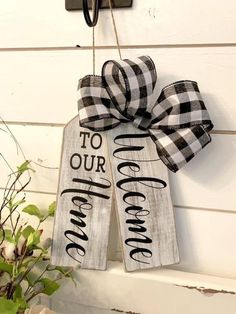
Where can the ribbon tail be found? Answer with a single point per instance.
(176, 147)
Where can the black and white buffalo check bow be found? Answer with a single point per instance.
(178, 121)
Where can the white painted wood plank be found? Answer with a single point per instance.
(145, 292)
(165, 22)
(41, 86)
(142, 200)
(207, 181)
(206, 240)
(84, 200)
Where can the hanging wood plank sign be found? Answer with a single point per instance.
(84, 200)
(126, 141)
(143, 201)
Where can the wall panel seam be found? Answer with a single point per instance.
(104, 47)
(61, 125)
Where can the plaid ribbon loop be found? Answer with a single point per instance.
(178, 121)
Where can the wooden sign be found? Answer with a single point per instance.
(123, 160)
(82, 219)
(143, 201)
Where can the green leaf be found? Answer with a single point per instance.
(24, 167)
(33, 210)
(19, 299)
(34, 238)
(27, 231)
(17, 293)
(22, 304)
(7, 235)
(18, 203)
(8, 306)
(50, 286)
(30, 240)
(6, 268)
(31, 278)
(52, 209)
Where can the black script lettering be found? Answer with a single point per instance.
(80, 250)
(141, 251)
(88, 192)
(133, 194)
(129, 169)
(120, 183)
(78, 216)
(136, 168)
(128, 147)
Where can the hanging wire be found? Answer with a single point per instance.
(94, 55)
(93, 41)
(115, 29)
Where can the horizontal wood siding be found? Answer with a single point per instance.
(40, 69)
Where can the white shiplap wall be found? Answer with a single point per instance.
(40, 68)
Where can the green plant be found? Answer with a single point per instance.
(25, 269)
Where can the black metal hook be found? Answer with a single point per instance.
(91, 23)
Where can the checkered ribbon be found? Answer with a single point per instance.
(178, 121)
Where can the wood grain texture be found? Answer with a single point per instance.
(82, 219)
(55, 74)
(205, 242)
(160, 22)
(142, 199)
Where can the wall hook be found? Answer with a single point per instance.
(91, 23)
(72, 5)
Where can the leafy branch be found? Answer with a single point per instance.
(22, 250)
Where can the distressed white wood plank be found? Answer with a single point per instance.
(205, 240)
(142, 200)
(207, 181)
(165, 22)
(84, 200)
(41, 86)
(178, 292)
